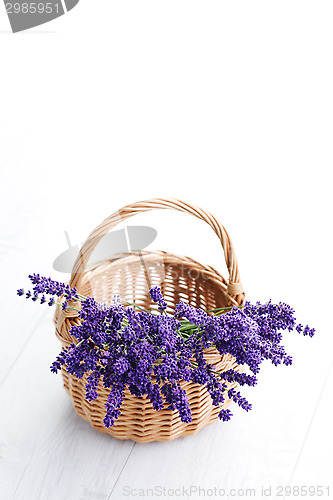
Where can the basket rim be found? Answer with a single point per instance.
(168, 258)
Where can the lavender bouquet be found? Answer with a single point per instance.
(122, 345)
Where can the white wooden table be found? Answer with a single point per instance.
(49, 452)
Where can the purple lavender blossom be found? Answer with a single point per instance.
(225, 415)
(113, 404)
(92, 385)
(158, 298)
(195, 316)
(118, 347)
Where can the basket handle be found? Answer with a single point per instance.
(234, 289)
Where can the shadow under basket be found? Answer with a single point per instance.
(131, 277)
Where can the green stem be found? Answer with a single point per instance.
(219, 309)
(68, 307)
(134, 305)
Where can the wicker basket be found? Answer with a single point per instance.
(131, 276)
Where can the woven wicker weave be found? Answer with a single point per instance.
(131, 276)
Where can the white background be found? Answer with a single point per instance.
(227, 105)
